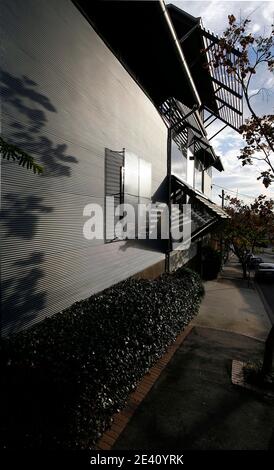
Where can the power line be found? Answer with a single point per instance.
(234, 192)
(253, 11)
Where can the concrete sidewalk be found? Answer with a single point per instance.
(193, 404)
(231, 304)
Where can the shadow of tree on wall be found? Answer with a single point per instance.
(20, 214)
(21, 296)
(25, 114)
(21, 98)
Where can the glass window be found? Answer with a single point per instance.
(198, 175)
(190, 168)
(178, 161)
(209, 171)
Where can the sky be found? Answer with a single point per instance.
(236, 178)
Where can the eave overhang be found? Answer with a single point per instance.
(142, 37)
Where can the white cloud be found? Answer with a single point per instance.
(268, 12)
(255, 28)
(214, 13)
(270, 81)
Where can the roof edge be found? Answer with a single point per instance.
(185, 66)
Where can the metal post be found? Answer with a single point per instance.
(169, 143)
(223, 198)
(221, 238)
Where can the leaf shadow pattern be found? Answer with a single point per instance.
(21, 98)
(21, 298)
(20, 214)
(26, 112)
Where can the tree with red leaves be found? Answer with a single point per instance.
(250, 224)
(255, 51)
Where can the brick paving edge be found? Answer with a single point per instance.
(121, 419)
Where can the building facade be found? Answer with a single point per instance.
(97, 113)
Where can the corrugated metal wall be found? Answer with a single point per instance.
(65, 98)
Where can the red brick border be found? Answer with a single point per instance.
(121, 419)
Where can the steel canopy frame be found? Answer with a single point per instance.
(220, 92)
(227, 90)
(180, 119)
(205, 212)
(204, 200)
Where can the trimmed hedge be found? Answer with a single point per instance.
(64, 378)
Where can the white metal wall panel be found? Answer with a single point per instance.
(208, 183)
(65, 98)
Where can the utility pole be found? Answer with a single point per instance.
(221, 238)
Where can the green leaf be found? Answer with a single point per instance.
(12, 152)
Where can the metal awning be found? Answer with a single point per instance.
(188, 130)
(202, 150)
(205, 214)
(218, 164)
(214, 208)
(220, 93)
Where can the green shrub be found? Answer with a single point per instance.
(211, 263)
(64, 378)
